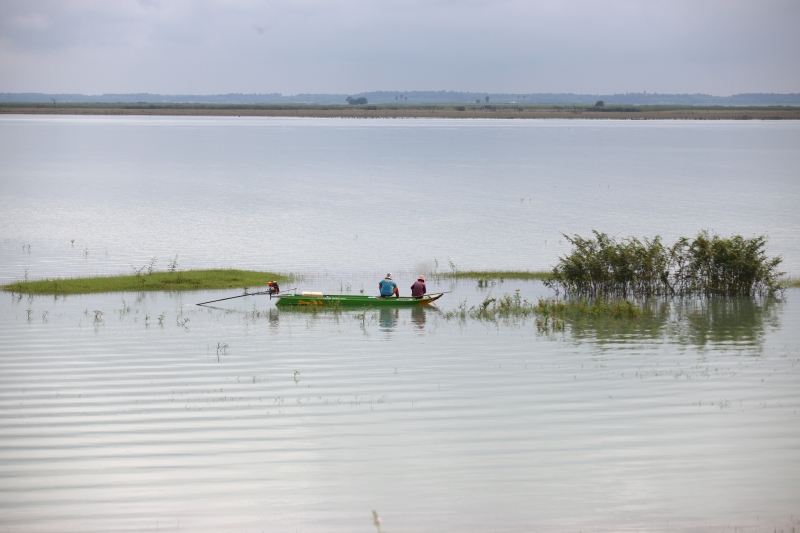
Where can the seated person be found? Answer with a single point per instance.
(388, 287)
(418, 288)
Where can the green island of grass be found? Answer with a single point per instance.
(188, 280)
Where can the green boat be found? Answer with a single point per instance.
(353, 300)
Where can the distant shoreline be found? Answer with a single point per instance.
(495, 111)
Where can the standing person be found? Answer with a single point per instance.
(418, 288)
(388, 287)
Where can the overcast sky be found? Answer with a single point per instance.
(719, 47)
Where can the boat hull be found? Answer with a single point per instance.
(353, 300)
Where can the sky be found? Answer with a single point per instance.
(718, 47)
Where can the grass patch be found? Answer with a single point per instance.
(189, 280)
(790, 283)
(495, 274)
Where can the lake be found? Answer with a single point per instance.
(145, 412)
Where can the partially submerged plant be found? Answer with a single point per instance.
(452, 265)
(709, 265)
(513, 306)
(732, 266)
(172, 266)
(485, 282)
(376, 520)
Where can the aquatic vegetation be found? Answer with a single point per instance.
(739, 322)
(173, 264)
(708, 264)
(222, 349)
(376, 520)
(150, 281)
(485, 276)
(514, 306)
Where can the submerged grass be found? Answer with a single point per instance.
(790, 283)
(496, 274)
(189, 280)
(547, 311)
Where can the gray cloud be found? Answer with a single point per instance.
(713, 46)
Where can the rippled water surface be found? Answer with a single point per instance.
(145, 412)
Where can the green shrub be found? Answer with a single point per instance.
(709, 264)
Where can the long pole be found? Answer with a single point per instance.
(240, 296)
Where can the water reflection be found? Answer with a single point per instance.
(418, 317)
(386, 319)
(708, 322)
(737, 321)
(726, 323)
(721, 322)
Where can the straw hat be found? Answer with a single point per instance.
(389, 276)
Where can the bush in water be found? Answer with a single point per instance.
(708, 264)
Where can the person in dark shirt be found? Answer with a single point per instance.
(418, 288)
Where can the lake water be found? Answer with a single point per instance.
(340, 195)
(144, 412)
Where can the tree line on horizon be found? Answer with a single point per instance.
(417, 97)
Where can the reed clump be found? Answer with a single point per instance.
(709, 265)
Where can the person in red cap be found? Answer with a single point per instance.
(418, 288)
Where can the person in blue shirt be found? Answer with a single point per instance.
(388, 287)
